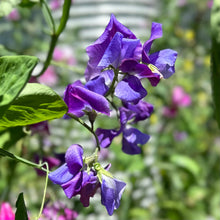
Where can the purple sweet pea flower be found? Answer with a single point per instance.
(132, 137)
(111, 192)
(115, 44)
(79, 99)
(154, 66)
(73, 178)
(163, 60)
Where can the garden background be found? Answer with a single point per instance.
(177, 176)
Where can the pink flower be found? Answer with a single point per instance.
(64, 54)
(179, 99)
(6, 212)
(210, 3)
(49, 77)
(14, 15)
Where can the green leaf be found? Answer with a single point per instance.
(10, 136)
(35, 103)
(215, 58)
(28, 3)
(186, 163)
(6, 6)
(14, 74)
(21, 212)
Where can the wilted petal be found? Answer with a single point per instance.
(132, 137)
(74, 158)
(61, 175)
(73, 186)
(164, 60)
(106, 136)
(111, 192)
(130, 90)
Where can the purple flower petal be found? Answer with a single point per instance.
(96, 50)
(156, 32)
(61, 175)
(132, 137)
(89, 187)
(131, 48)
(112, 53)
(75, 105)
(142, 110)
(97, 85)
(73, 186)
(74, 158)
(106, 136)
(111, 192)
(125, 116)
(164, 60)
(79, 99)
(130, 90)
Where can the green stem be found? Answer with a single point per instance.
(87, 127)
(20, 159)
(112, 87)
(45, 190)
(55, 34)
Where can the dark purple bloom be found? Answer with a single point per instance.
(132, 137)
(115, 44)
(111, 192)
(80, 99)
(72, 178)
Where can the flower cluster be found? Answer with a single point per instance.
(83, 176)
(118, 63)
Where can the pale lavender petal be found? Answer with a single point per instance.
(132, 137)
(130, 90)
(74, 158)
(164, 60)
(61, 175)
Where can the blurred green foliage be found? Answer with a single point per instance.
(174, 178)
